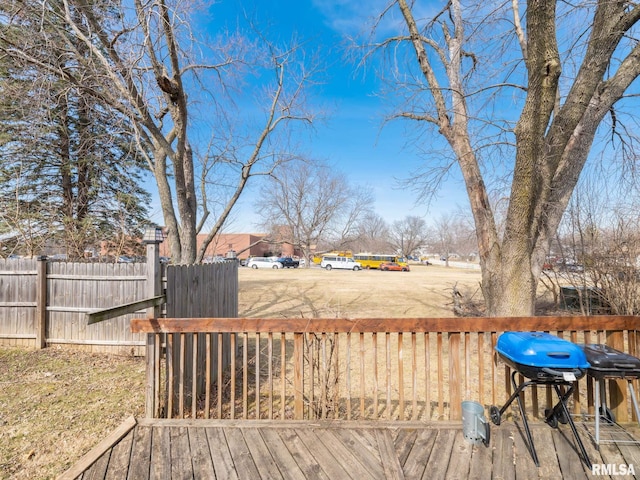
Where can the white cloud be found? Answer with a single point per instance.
(356, 19)
(353, 18)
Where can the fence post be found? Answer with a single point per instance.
(41, 303)
(153, 290)
(153, 277)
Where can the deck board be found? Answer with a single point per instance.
(545, 447)
(327, 457)
(140, 461)
(241, 454)
(460, 460)
(404, 442)
(390, 462)
(160, 453)
(304, 459)
(220, 454)
(119, 460)
(181, 465)
(200, 454)
(292, 450)
(438, 462)
(98, 470)
(281, 455)
(481, 462)
(566, 455)
(526, 468)
(368, 459)
(503, 454)
(370, 441)
(423, 444)
(261, 454)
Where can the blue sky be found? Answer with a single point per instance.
(351, 137)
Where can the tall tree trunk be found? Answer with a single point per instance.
(553, 135)
(514, 291)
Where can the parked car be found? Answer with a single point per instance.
(289, 262)
(393, 266)
(216, 259)
(264, 262)
(334, 261)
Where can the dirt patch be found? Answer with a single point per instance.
(55, 404)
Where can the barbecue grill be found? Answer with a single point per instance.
(607, 362)
(544, 359)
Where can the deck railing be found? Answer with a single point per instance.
(391, 369)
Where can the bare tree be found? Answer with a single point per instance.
(309, 203)
(466, 242)
(444, 237)
(409, 234)
(141, 61)
(598, 249)
(613, 269)
(565, 85)
(373, 234)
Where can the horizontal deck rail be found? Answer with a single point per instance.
(367, 369)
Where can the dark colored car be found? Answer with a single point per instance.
(288, 262)
(393, 266)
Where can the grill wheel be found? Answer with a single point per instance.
(551, 418)
(494, 413)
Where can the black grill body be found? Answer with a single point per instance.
(608, 363)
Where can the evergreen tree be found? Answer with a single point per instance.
(70, 176)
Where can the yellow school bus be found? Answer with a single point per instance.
(373, 260)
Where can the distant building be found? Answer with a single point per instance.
(240, 245)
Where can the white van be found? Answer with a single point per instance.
(264, 262)
(335, 261)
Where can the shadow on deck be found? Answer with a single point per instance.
(212, 449)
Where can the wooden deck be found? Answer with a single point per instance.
(213, 449)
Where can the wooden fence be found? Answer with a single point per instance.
(19, 294)
(397, 369)
(201, 291)
(44, 303)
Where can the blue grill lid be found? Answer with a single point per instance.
(540, 349)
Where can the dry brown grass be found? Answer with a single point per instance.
(55, 405)
(425, 291)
